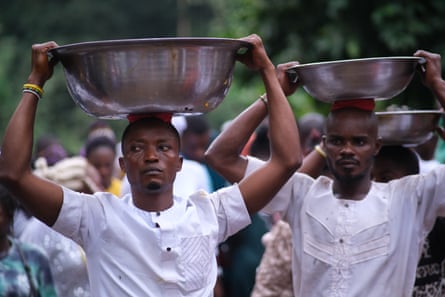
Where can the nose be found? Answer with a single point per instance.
(151, 154)
(347, 149)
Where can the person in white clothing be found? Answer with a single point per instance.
(67, 258)
(351, 236)
(149, 242)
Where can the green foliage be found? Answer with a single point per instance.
(308, 31)
(321, 30)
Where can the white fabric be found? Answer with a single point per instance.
(192, 178)
(67, 259)
(128, 255)
(427, 165)
(358, 248)
(180, 123)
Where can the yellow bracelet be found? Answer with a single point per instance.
(33, 87)
(320, 151)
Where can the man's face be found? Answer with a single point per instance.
(351, 144)
(151, 157)
(102, 158)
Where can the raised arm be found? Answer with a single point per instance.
(432, 77)
(224, 153)
(285, 152)
(42, 198)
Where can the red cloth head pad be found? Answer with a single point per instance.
(163, 116)
(362, 104)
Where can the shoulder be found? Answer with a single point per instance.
(30, 251)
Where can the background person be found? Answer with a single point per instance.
(101, 153)
(393, 162)
(24, 268)
(66, 258)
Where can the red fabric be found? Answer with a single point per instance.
(163, 116)
(363, 104)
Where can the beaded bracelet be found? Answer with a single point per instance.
(320, 151)
(33, 89)
(32, 92)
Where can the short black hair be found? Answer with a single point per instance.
(197, 124)
(369, 116)
(100, 141)
(149, 121)
(404, 157)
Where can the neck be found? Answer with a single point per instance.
(351, 190)
(153, 201)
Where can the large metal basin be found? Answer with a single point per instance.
(378, 78)
(111, 79)
(408, 128)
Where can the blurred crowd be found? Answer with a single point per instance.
(253, 262)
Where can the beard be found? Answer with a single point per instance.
(153, 186)
(345, 176)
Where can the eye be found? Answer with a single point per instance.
(360, 141)
(135, 148)
(335, 141)
(164, 147)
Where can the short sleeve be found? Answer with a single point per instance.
(81, 215)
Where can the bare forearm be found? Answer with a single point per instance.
(286, 156)
(18, 139)
(223, 155)
(41, 197)
(284, 137)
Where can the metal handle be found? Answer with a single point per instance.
(422, 63)
(292, 75)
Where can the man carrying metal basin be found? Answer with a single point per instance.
(149, 243)
(351, 236)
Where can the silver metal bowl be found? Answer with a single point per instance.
(377, 78)
(111, 79)
(408, 128)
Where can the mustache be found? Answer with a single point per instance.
(347, 159)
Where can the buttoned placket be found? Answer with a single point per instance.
(169, 252)
(342, 269)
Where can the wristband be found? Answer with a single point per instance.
(264, 99)
(320, 151)
(35, 93)
(33, 89)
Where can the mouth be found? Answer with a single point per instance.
(347, 163)
(152, 171)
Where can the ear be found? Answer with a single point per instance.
(323, 139)
(122, 164)
(378, 146)
(179, 167)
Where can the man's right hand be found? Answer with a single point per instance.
(41, 66)
(287, 85)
